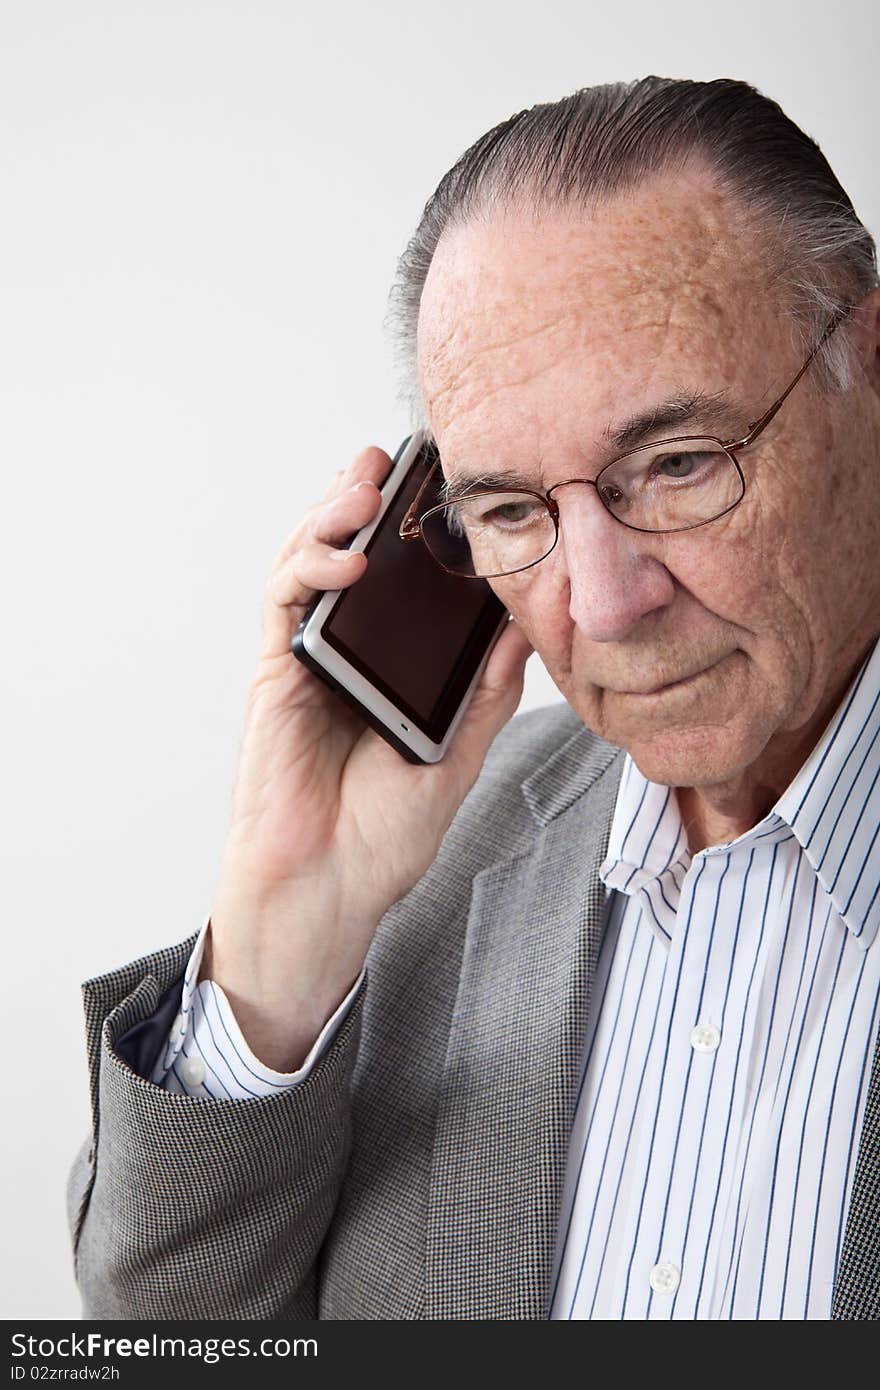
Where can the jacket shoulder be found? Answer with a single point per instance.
(550, 744)
(531, 737)
(536, 739)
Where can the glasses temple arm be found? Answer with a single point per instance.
(409, 527)
(759, 425)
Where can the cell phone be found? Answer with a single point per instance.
(406, 644)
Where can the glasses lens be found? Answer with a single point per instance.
(668, 487)
(491, 533)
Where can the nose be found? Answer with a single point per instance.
(614, 575)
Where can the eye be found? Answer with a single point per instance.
(677, 465)
(504, 511)
(511, 513)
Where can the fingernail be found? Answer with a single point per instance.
(340, 554)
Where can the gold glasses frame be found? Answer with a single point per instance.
(411, 528)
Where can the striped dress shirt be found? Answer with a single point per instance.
(726, 1065)
(206, 1055)
(726, 1069)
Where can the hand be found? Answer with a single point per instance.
(330, 825)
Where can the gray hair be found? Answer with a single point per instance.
(602, 140)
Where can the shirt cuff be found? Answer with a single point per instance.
(206, 1055)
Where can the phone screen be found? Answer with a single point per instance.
(417, 633)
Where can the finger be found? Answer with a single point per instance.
(494, 702)
(292, 589)
(311, 570)
(336, 522)
(370, 465)
(317, 564)
(282, 614)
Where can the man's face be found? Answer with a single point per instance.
(535, 339)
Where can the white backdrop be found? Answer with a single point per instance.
(202, 205)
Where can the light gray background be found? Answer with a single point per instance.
(202, 205)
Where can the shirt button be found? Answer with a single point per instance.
(664, 1277)
(193, 1071)
(705, 1037)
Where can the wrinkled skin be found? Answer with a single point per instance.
(536, 335)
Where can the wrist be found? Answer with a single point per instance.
(279, 1012)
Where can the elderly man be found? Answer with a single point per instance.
(580, 1022)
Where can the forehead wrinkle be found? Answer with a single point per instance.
(469, 393)
(474, 399)
(458, 375)
(678, 292)
(469, 398)
(580, 296)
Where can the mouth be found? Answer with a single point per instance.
(683, 684)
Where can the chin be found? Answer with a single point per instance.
(703, 737)
(701, 756)
(675, 753)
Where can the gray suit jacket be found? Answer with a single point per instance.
(418, 1171)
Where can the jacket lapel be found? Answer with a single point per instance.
(515, 1047)
(514, 1057)
(857, 1285)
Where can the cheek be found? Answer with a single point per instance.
(733, 568)
(791, 559)
(736, 579)
(761, 576)
(539, 601)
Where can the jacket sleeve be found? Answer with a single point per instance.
(189, 1208)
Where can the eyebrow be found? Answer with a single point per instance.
(715, 411)
(693, 408)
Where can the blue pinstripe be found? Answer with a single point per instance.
(737, 1170)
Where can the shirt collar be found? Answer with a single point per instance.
(825, 807)
(831, 804)
(647, 849)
